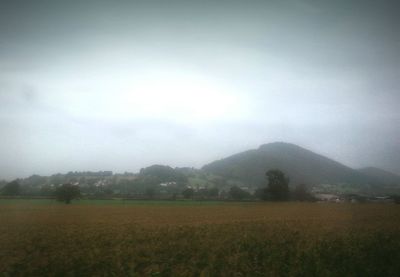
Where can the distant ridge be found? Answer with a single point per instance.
(301, 165)
(381, 175)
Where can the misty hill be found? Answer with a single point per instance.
(381, 175)
(301, 165)
(163, 173)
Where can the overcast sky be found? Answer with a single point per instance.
(120, 85)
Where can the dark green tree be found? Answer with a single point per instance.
(262, 193)
(188, 193)
(301, 193)
(212, 192)
(150, 192)
(47, 190)
(396, 199)
(67, 192)
(13, 188)
(278, 185)
(237, 193)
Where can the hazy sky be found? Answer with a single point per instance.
(120, 85)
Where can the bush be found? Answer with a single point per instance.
(67, 192)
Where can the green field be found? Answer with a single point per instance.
(194, 238)
(28, 202)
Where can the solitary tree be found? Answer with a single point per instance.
(11, 189)
(67, 192)
(278, 185)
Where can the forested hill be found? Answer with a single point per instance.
(381, 175)
(302, 165)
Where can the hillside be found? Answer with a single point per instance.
(383, 176)
(301, 165)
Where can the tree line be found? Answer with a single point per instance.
(277, 188)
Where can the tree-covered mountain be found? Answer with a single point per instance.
(301, 165)
(380, 175)
(244, 170)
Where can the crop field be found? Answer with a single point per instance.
(188, 238)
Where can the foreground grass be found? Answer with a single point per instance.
(231, 239)
(123, 202)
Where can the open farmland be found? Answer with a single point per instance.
(184, 238)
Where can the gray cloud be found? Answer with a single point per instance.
(96, 85)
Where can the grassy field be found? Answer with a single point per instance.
(119, 202)
(189, 238)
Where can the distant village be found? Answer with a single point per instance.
(163, 182)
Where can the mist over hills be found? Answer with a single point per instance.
(301, 165)
(381, 175)
(247, 169)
